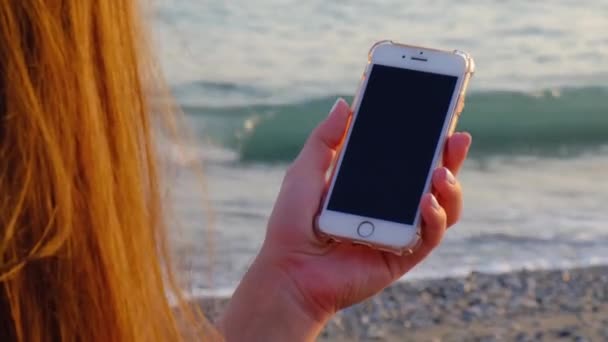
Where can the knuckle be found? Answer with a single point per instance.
(291, 171)
(431, 242)
(455, 217)
(317, 132)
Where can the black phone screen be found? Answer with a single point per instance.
(392, 144)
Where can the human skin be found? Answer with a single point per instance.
(298, 282)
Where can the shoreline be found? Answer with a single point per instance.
(568, 305)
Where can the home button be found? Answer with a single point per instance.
(365, 229)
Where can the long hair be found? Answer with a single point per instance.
(84, 254)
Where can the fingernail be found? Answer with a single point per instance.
(449, 176)
(434, 202)
(470, 138)
(333, 108)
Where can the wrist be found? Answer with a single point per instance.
(268, 306)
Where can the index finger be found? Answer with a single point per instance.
(456, 149)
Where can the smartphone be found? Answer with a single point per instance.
(408, 103)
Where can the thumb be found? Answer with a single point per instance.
(305, 179)
(318, 151)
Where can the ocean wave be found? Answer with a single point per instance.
(505, 238)
(501, 122)
(223, 87)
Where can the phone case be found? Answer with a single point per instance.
(469, 72)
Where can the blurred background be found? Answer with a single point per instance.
(254, 77)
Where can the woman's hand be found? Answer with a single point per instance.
(298, 282)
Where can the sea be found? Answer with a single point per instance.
(255, 76)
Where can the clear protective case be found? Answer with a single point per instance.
(469, 71)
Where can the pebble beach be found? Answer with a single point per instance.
(558, 305)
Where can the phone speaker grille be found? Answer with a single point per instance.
(419, 59)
